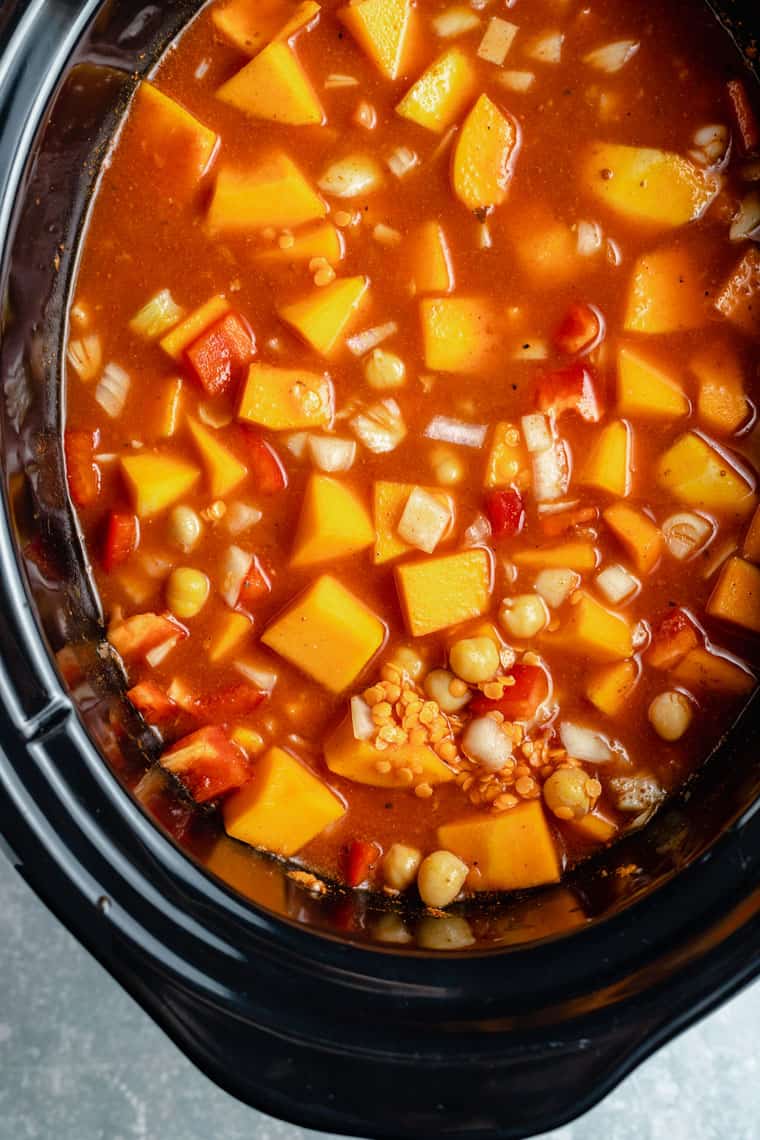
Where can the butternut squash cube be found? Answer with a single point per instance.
(508, 460)
(357, 760)
(172, 139)
(592, 631)
(575, 555)
(327, 633)
(275, 194)
(439, 592)
(430, 260)
(701, 669)
(721, 400)
(458, 333)
(303, 15)
(334, 523)
(155, 481)
(389, 502)
(594, 828)
(507, 852)
(274, 86)
(484, 155)
(381, 29)
(286, 399)
(648, 185)
(739, 299)
(666, 293)
(321, 240)
(608, 466)
(736, 594)
(251, 24)
(441, 93)
(283, 807)
(232, 630)
(544, 246)
(644, 390)
(223, 469)
(697, 474)
(751, 547)
(324, 315)
(609, 687)
(637, 534)
(201, 319)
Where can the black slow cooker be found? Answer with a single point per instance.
(291, 1002)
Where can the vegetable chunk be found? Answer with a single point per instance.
(207, 763)
(275, 194)
(458, 333)
(666, 293)
(645, 391)
(170, 137)
(324, 315)
(608, 466)
(484, 156)
(321, 240)
(507, 852)
(577, 555)
(274, 86)
(739, 299)
(637, 534)
(443, 591)
(334, 523)
(721, 400)
(381, 28)
(251, 24)
(176, 342)
(357, 760)
(592, 631)
(648, 185)
(736, 596)
(283, 807)
(286, 399)
(224, 470)
(389, 502)
(700, 669)
(508, 460)
(327, 633)
(156, 481)
(697, 474)
(430, 260)
(441, 93)
(610, 686)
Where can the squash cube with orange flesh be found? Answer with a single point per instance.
(592, 631)
(224, 470)
(721, 400)
(334, 523)
(751, 547)
(511, 851)
(198, 322)
(609, 687)
(508, 460)
(574, 554)
(233, 628)
(389, 502)
(441, 93)
(701, 669)
(645, 391)
(666, 293)
(274, 194)
(283, 807)
(484, 155)
(608, 466)
(321, 240)
(286, 399)
(301, 16)
(274, 86)
(736, 594)
(697, 474)
(381, 28)
(172, 139)
(357, 760)
(648, 185)
(739, 299)
(439, 592)
(637, 534)
(327, 633)
(324, 314)
(458, 333)
(251, 24)
(594, 828)
(430, 260)
(155, 481)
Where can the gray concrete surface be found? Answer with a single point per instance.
(80, 1061)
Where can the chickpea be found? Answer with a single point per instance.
(391, 928)
(486, 742)
(523, 616)
(187, 592)
(450, 933)
(438, 686)
(408, 661)
(474, 659)
(384, 369)
(440, 878)
(670, 715)
(565, 793)
(184, 528)
(400, 865)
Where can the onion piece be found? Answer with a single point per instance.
(363, 342)
(590, 238)
(330, 454)
(424, 520)
(449, 430)
(112, 390)
(361, 719)
(477, 532)
(215, 415)
(557, 508)
(159, 653)
(746, 222)
(520, 81)
(335, 79)
(556, 584)
(612, 57)
(712, 145)
(537, 432)
(497, 40)
(241, 516)
(583, 743)
(551, 473)
(546, 47)
(160, 314)
(297, 443)
(264, 679)
(635, 793)
(235, 566)
(380, 428)
(686, 533)
(616, 583)
(454, 21)
(348, 177)
(401, 161)
(85, 356)
(386, 235)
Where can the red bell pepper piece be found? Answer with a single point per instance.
(264, 463)
(521, 699)
(121, 540)
(227, 704)
(360, 858)
(581, 329)
(673, 636)
(219, 354)
(137, 635)
(570, 389)
(152, 703)
(207, 763)
(746, 119)
(505, 511)
(256, 585)
(82, 472)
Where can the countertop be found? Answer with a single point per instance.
(80, 1061)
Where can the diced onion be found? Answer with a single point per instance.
(215, 415)
(159, 653)
(686, 533)
(477, 532)
(297, 444)
(401, 161)
(546, 48)
(85, 356)
(235, 566)
(616, 583)
(712, 144)
(364, 342)
(520, 81)
(424, 520)
(612, 57)
(556, 584)
(590, 238)
(537, 432)
(351, 176)
(337, 80)
(386, 235)
(497, 40)
(241, 516)
(111, 392)
(361, 719)
(635, 793)
(331, 454)
(583, 743)
(264, 679)
(160, 314)
(551, 474)
(454, 22)
(449, 430)
(380, 428)
(746, 222)
(557, 508)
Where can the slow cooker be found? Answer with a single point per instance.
(289, 1001)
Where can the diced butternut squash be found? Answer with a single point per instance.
(286, 399)
(357, 760)
(458, 333)
(507, 852)
(544, 246)
(751, 547)
(441, 93)
(608, 466)
(283, 807)
(274, 86)
(648, 185)
(249, 24)
(666, 293)
(701, 669)
(736, 594)
(592, 631)
(327, 633)
(381, 28)
(645, 390)
(697, 474)
(609, 687)
(637, 534)
(275, 194)
(303, 15)
(439, 592)
(739, 299)
(594, 828)
(389, 502)
(170, 138)
(323, 316)
(673, 636)
(232, 630)
(223, 469)
(334, 523)
(321, 240)
(155, 481)
(201, 319)
(170, 403)
(575, 555)
(721, 400)
(484, 156)
(430, 260)
(508, 460)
